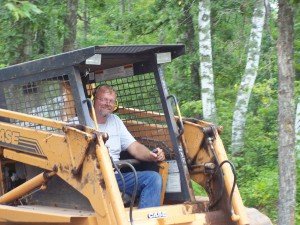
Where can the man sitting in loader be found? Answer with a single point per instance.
(149, 182)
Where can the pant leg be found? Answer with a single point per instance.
(149, 187)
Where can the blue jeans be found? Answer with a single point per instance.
(148, 190)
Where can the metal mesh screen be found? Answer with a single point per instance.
(49, 98)
(141, 110)
(139, 106)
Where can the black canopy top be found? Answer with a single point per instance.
(111, 56)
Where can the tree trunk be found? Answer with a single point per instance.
(70, 23)
(85, 20)
(129, 8)
(248, 79)
(122, 6)
(206, 67)
(24, 52)
(191, 49)
(286, 116)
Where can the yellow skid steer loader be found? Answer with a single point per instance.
(55, 169)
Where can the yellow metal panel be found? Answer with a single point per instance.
(17, 214)
(163, 171)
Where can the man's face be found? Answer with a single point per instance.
(104, 102)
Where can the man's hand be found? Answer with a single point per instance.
(141, 152)
(157, 154)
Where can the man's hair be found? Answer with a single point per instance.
(105, 88)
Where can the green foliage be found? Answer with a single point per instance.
(257, 175)
(198, 189)
(260, 190)
(298, 196)
(191, 109)
(21, 9)
(297, 89)
(257, 167)
(225, 114)
(229, 33)
(43, 28)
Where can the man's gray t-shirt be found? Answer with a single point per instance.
(119, 137)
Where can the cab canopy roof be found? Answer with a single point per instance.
(95, 58)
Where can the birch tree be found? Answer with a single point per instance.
(206, 65)
(297, 131)
(248, 79)
(286, 115)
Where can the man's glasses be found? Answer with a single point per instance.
(105, 100)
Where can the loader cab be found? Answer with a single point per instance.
(60, 87)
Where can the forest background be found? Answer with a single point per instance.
(39, 28)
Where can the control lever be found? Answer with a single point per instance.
(155, 150)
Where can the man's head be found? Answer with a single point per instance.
(105, 99)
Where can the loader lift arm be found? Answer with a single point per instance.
(206, 158)
(75, 156)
